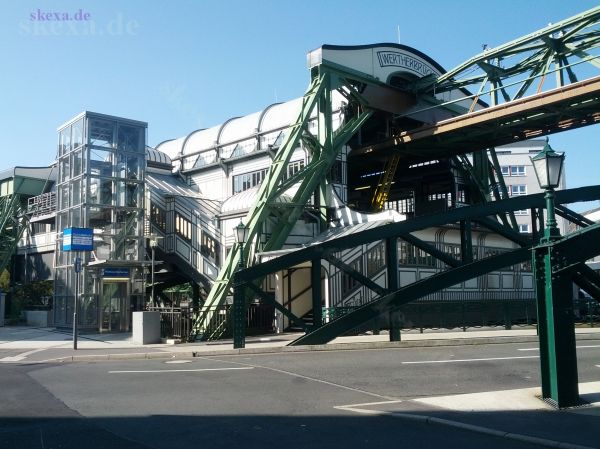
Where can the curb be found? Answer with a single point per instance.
(357, 346)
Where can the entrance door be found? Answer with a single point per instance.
(114, 307)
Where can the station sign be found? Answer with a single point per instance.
(78, 239)
(115, 273)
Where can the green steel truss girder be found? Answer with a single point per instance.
(13, 223)
(356, 275)
(572, 249)
(573, 216)
(478, 213)
(324, 151)
(430, 249)
(512, 68)
(398, 229)
(392, 301)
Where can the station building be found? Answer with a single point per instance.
(168, 212)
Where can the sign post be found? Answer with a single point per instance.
(77, 239)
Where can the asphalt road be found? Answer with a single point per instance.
(296, 400)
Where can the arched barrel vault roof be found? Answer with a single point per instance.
(171, 148)
(273, 117)
(202, 139)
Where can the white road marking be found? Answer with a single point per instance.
(179, 370)
(355, 407)
(177, 362)
(289, 373)
(22, 356)
(471, 360)
(577, 347)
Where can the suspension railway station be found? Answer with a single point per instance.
(390, 182)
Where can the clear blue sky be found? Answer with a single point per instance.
(183, 65)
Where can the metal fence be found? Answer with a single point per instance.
(465, 314)
(177, 322)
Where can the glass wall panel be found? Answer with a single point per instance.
(99, 218)
(107, 188)
(76, 163)
(100, 162)
(64, 141)
(63, 197)
(76, 217)
(101, 132)
(130, 139)
(77, 133)
(76, 192)
(134, 165)
(64, 168)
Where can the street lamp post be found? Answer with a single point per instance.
(548, 165)
(556, 329)
(153, 244)
(239, 298)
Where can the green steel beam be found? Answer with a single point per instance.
(390, 230)
(393, 301)
(573, 216)
(573, 32)
(324, 151)
(356, 275)
(432, 250)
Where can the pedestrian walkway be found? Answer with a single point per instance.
(33, 344)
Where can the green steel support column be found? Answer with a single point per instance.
(481, 168)
(558, 357)
(317, 302)
(466, 241)
(239, 314)
(325, 117)
(391, 255)
(195, 295)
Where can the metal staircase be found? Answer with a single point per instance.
(385, 183)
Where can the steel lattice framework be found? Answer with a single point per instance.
(509, 81)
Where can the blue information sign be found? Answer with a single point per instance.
(78, 239)
(113, 272)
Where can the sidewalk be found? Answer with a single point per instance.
(32, 344)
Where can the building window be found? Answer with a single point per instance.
(517, 170)
(524, 228)
(375, 259)
(183, 227)
(411, 255)
(513, 170)
(294, 167)
(350, 284)
(210, 248)
(517, 190)
(158, 217)
(246, 181)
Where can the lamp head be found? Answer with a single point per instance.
(241, 233)
(548, 165)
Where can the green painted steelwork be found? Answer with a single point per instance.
(397, 229)
(13, 223)
(323, 148)
(391, 231)
(528, 58)
(392, 301)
